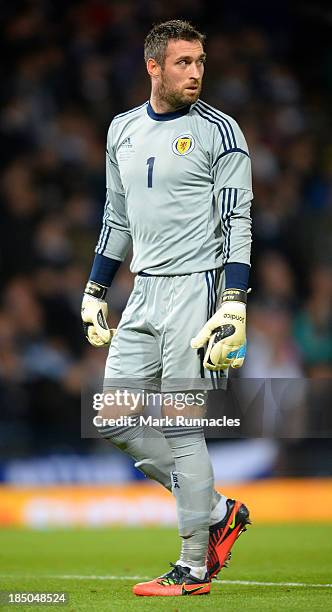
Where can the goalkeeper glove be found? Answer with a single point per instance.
(226, 333)
(94, 313)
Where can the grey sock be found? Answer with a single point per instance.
(193, 483)
(154, 457)
(148, 446)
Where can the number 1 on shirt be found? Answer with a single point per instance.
(150, 163)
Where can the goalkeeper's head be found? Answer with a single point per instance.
(175, 57)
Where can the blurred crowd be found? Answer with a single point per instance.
(70, 67)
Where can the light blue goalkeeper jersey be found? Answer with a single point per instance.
(178, 187)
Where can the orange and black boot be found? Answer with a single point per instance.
(224, 534)
(178, 581)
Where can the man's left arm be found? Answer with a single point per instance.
(226, 330)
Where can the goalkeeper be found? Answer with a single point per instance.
(178, 181)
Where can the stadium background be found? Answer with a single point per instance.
(69, 67)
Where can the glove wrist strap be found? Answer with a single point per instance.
(234, 295)
(96, 290)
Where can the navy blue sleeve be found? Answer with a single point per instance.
(237, 276)
(104, 270)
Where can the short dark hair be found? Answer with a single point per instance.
(157, 39)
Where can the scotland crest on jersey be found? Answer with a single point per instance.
(182, 145)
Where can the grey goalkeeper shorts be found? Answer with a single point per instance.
(153, 338)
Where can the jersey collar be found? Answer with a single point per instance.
(167, 116)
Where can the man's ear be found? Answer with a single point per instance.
(153, 68)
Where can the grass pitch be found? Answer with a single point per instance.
(98, 568)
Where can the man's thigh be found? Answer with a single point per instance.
(195, 301)
(134, 352)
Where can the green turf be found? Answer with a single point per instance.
(32, 560)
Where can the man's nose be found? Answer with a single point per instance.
(194, 72)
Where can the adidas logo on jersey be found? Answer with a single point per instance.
(126, 143)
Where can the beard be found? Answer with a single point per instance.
(175, 98)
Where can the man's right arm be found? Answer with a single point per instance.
(112, 247)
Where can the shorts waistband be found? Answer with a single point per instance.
(173, 275)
